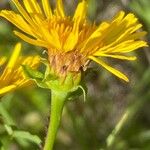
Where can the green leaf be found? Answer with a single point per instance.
(1, 145)
(5, 115)
(27, 136)
(31, 73)
(8, 129)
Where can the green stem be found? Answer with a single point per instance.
(57, 103)
(127, 116)
(112, 137)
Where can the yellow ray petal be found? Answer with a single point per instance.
(131, 58)
(60, 9)
(7, 89)
(14, 56)
(124, 47)
(2, 60)
(54, 39)
(17, 20)
(112, 70)
(110, 37)
(81, 11)
(119, 16)
(72, 38)
(30, 40)
(6, 75)
(23, 12)
(23, 82)
(130, 20)
(31, 61)
(130, 47)
(136, 35)
(94, 38)
(47, 8)
(32, 6)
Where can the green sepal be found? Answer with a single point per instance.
(31, 73)
(36, 76)
(50, 77)
(41, 84)
(67, 84)
(48, 71)
(81, 89)
(84, 91)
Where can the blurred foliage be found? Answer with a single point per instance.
(90, 125)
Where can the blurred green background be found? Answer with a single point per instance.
(113, 108)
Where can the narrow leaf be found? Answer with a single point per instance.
(27, 136)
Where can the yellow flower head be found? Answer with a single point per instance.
(12, 76)
(72, 41)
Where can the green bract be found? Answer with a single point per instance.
(68, 84)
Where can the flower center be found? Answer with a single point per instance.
(67, 62)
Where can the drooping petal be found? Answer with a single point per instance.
(122, 57)
(112, 70)
(30, 40)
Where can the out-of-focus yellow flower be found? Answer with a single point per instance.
(12, 76)
(72, 41)
(2, 60)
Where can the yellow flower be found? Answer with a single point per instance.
(72, 42)
(12, 77)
